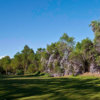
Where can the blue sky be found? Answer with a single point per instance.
(41, 22)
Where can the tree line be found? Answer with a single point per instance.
(86, 52)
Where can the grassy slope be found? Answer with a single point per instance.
(49, 88)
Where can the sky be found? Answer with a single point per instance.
(37, 23)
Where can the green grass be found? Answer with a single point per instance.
(31, 87)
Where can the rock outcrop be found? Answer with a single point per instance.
(62, 66)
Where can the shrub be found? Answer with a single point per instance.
(37, 73)
(41, 74)
(58, 69)
(46, 74)
(1, 70)
(31, 69)
(50, 66)
(19, 72)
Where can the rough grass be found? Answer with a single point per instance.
(31, 87)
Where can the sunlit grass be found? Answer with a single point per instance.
(32, 87)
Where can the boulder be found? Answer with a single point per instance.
(94, 68)
(51, 58)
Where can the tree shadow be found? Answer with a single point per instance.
(18, 76)
(54, 88)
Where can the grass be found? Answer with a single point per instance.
(31, 87)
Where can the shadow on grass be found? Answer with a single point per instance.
(18, 76)
(49, 88)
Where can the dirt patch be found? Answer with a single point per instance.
(90, 74)
(86, 74)
(67, 75)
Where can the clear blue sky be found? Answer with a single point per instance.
(41, 22)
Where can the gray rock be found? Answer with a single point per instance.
(94, 68)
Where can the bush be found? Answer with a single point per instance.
(74, 75)
(37, 73)
(50, 66)
(1, 70)
(58, 69)
(41, 74)
(31, 69)
(46, 74)
(19, 72)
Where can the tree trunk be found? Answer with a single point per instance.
(25, 69)
(6, 71)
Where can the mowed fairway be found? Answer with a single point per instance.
(48, 88)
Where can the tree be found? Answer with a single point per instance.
(96, 29)
(25, 60)
(16, 62)
(39, 53)
(5, 63)
(69, 42)
(78, 46)
(95, 26)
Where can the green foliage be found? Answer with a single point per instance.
(1, 69)
(78, 46)
(31, 69)
(37, 57)
(69, 40)
(45, 55)
(37, 73)
(58, 69)
(76, 56)
(40, 50)
(98, 60)
(61, 47)
(95, 26)
(97, 38)
(19, 72)
(40, 53)
(51, 48)
(46, 75)
(29, 61)
(16, 62)
(41, 74)
(41, 66)
(86, 45)
(65, 37)
(50, 66)
(5, 63)
(56, 63)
